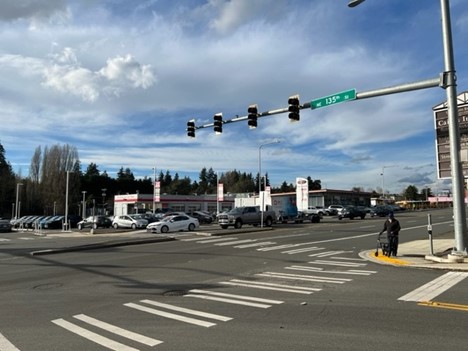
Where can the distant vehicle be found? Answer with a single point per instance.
(246, 215)
(203, 218)
(314, 210)
(129, 221)
(94, 222)
(5, 225)
(173, 224)
(380, 211)
(335, 209)
(352, 212)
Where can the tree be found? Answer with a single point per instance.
(7, 184)
(411, 193)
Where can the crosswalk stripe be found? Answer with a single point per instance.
(170, 315)
(271, 286)
(349, 259)
(236, 242)
(94, 337)
(5, 239)
(310, 278)
(263, 243)
(327, 253)
(215, 240)
(307, 249)
(6, 345)
(231, 301)
(279, 247)
(320, 270)
(341, 264)
(240, 297)
(117, 330)
(435, 287)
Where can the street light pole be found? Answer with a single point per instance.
(276, 141)
(154, 191)
(449, 83)
(65, 225)
(17, 200)
(84, 204)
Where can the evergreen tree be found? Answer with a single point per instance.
(7, 185)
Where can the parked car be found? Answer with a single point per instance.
(5, 225)
(173, 224)
(129, 221)
(94, 222)
(203, 218)
(352, 212)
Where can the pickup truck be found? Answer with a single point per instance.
(246, 215)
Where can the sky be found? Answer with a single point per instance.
(119, 80)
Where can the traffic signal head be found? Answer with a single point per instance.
(252, 116)
(191, 128)
(293, 108)
(218, 123)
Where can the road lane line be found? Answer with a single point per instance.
(271, 286)
(119, 331)
(435, 287)
(170, 315)
(236, 242)
(263, 243)
(96, 338)
(340, 264)
(240, 297)
(306, 249)
(6, 345)
(320, 270)
(309, 278)
(231, 301)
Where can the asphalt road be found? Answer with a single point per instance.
(297, 287)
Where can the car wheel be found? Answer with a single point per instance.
(133, 226)
(268, 222)
(191, 227)
(116, 226)
(164, 229)
(238, 224)
(224, 227)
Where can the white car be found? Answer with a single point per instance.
(173, 224)
(129, 221)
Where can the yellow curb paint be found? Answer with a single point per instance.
(391, 260)
(450, 306)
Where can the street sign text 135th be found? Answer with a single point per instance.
(333, 99)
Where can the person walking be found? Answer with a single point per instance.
(392, 228)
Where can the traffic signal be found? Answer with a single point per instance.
(191, 128)
(218, 123)
(252, 116)
(293, 108)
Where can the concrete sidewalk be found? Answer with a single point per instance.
(416, 254)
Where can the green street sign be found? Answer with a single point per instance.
(333, 99)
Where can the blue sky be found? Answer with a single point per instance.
(120, 79)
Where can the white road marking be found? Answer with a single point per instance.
(435, 287)
(119, 331)
(271, 286)
(263, 243)
(236, 242)
(327, 253)
(98, 339)
(320, 270)
(306, 249)
(310, 278)
(6, 345)
(341, 264)
(240, 297)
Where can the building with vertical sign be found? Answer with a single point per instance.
(443, 138)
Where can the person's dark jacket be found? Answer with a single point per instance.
(392, 227)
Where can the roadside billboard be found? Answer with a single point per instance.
(302, 194)
(443, 140)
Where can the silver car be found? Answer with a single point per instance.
(129, 221)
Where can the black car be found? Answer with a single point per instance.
(5, 225)
(380, 211)
(352, 212)
(94, 222)
(202, 217)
